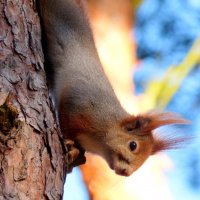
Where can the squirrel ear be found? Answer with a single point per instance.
(144, 124)
(135, 124)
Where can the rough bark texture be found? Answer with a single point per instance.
(31, 151)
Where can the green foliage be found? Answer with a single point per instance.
(136, 3)
(160, 92)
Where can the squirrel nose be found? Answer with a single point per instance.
(122, 172)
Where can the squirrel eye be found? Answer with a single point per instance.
(133, 145)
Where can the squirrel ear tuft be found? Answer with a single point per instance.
(163, 118)
(169, 142)
(144, 124)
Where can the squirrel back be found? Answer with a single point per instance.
(88, 109)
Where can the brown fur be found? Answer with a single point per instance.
(88, 109)
(169, 142)
(145, 124)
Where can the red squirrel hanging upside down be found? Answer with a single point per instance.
(88, 109)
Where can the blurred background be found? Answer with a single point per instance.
(150, 50)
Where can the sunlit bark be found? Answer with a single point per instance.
(31, 154)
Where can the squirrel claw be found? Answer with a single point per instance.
(75, 155)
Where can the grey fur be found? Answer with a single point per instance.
(79, 80)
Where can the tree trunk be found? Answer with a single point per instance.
(31, 150)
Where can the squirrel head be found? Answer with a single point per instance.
(128, 143)
(131, 142)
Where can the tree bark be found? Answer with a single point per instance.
(31, 150)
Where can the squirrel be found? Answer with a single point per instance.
(88, 109)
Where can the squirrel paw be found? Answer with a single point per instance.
(75, 155)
